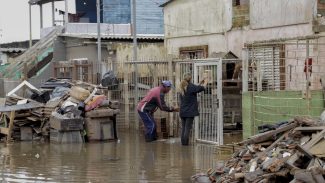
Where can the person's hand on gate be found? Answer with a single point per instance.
(175, 109)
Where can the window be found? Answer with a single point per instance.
(235, 2)
(194, 52)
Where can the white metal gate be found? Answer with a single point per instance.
(208, 127)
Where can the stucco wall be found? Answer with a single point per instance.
(192, 17)
(237, 38)
(266, 13)
(215, 42)
(185, 20)
(234, 40)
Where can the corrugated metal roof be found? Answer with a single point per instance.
(12, 50)
(118, 36)
(166, 3)
(33, 2)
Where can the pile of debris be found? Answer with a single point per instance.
(60, 110)
(291, 151)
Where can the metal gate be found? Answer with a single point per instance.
(208, 127)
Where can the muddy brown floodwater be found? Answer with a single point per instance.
(130, 160)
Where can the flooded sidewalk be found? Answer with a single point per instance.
(129, 160)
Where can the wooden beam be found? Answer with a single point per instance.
(11, 125)
(4, 130)
(310, 129)
(269, 134)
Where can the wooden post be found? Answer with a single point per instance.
(11, 125)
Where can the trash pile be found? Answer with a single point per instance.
(291, 151)
(61, 111)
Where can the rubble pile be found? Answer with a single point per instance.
(293, 151)
(57, 111)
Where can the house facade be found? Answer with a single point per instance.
(223, 25)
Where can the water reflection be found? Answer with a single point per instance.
(131, 160)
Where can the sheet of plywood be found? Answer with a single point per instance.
(318, 149)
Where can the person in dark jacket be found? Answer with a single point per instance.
(154, 99)
(189, 104)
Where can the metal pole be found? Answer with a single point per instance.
(41, 15)
(135, 58)
(245, 69)
(66, 14)
(99, 48)
(53, 15)
(30, 26)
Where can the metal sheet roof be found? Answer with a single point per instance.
(166, 3)
(118, 36)
(33, 2)
(12, 50)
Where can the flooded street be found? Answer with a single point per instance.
(130, 160)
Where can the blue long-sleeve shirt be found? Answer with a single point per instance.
(188, 102)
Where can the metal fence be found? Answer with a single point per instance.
(284, 78)
(136, 78)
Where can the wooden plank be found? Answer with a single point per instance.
(101, 113)
(30, 105)
(269, 134)
(11, 125)
(310, 128)
(4, 130)
(315, 140)
(304, 151)
(318, 149)
(274, 144)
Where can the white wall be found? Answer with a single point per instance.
(274, 13)
(208, 22)
(193, 17)
(237, 38)
(216, 43)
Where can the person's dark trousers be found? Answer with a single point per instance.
(186, 129)
(150, 125)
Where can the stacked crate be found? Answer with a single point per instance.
(101, 124)
(66, 130)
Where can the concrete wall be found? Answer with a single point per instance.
(266, 13)
(59, 53)
(272, 107)
(6, 85)
(215, 42)
(82, 48)
(146, 51)
(209, 22)
(191, 17)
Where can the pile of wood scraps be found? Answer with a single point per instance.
(292, 152)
